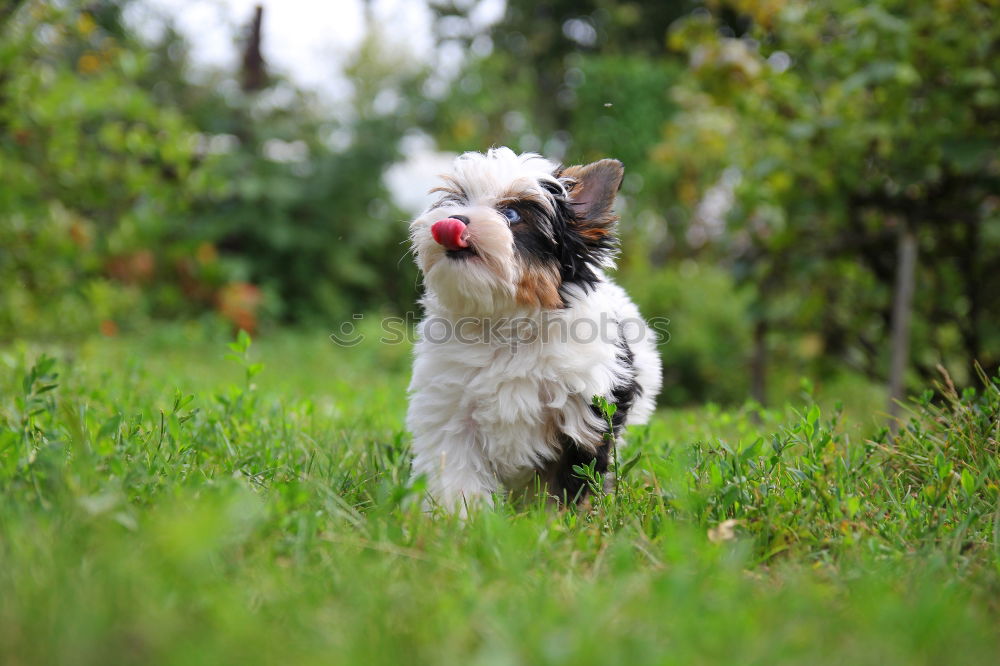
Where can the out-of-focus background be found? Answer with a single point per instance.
(812, 189)
(812, 198)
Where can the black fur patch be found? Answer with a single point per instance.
(624, 394)
(568, 486)
(530, 238)
(577, 256)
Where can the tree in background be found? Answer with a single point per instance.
(864, 133)
(136, 187)
(540, 55)
(94, 171)
(797, 178)
(800, 147)
(304, 211)
(582, 81)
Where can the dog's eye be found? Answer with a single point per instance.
(511, 215)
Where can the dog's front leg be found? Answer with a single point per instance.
(458, 476)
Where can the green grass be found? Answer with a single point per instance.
(160, 505)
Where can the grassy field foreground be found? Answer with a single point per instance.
(161, 504)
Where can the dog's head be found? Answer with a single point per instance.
(512, 231)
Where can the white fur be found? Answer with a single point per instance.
(486, 411)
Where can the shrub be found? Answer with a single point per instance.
(705, 354)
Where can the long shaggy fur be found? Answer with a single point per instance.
(494, 407)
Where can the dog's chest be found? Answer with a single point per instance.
(514, 387)
(515, 399)
(517, 403)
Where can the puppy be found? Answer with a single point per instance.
(522, 329)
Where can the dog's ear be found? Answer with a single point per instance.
(592, 189)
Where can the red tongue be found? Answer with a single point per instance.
(450, 233)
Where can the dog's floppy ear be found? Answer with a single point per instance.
(592, 189)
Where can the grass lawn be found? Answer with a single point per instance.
(158, 504)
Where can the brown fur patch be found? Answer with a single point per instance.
(539, 287)
(596, 232)
(593, 191)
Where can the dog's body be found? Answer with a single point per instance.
(522, 329)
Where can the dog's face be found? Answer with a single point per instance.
(511, 231)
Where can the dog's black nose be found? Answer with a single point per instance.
(463, 219)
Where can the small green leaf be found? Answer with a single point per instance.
(627, 466)
(852, 505)
(968, 482)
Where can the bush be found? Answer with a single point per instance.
(705, 354)
(132, 191)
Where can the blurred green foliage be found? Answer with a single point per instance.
(780, 148)
(92, 166)
(707, 337)
(307, 218)
(849, 123)
(787, 142)
(134, 189)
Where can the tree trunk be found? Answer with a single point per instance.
(970, 271)
(254, 72)
(758, 363)
(902, 307)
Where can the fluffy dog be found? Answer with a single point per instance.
(522, 329)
